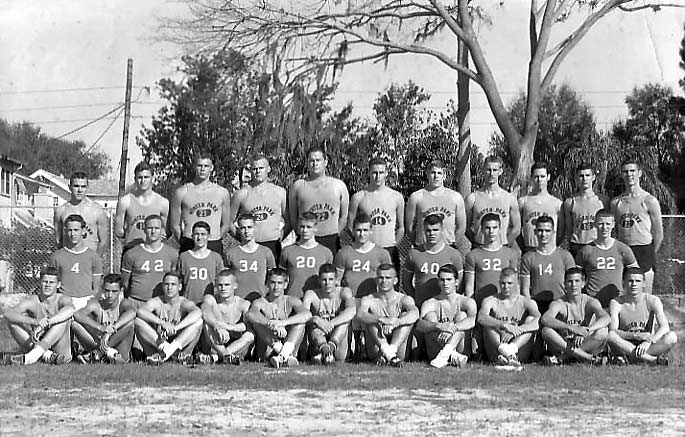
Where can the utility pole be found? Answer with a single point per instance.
(127, 120)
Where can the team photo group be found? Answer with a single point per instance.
(324, 277)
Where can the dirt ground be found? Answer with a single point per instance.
(118, 409)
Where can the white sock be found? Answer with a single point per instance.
(447, 350)
(277, 347)
(388, 351)
(173, 347)
(34, 355)
(288, 348)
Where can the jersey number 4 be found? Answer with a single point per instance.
(75, 268)
(158, 266)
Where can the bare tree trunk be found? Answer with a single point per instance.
(463, 169)
(525, 160)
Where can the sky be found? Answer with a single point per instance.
(63, 64)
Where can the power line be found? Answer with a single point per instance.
(62, 90)
(88, 105)
(105, 131)
(92, 121)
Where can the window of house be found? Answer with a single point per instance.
(5, 182)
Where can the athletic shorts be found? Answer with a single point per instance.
(645, 256)
(543, 305)
(331, 241)
(274, 246)
(214, 245)
(394, 257)
(574, 248)
(80, 302)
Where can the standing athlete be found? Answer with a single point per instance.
(324, 196)
(638, 217)
(446, 320)
(575, 326)
(384, 206)
(250, 261)
(604, 260)
(435, 198)
(538, 203)
(133, 207)
(495, 199)
(198, 200)
(198, 266)
(96, 231)
(580, 209)
(80, 268)
(632, 335)
(266, 202)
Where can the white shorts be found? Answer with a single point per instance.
(80, 302)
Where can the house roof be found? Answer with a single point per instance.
(96, 187)
(11, 161)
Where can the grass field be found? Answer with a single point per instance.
(345, 400)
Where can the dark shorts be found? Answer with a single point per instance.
(543, 305)
(574, 248)
(394, 257)
(645, 256)
(331, 241)
(214, 245)
(275, 248)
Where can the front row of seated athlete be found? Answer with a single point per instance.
(273, 327)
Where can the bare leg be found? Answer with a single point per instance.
(21, 333)
(491, 342)
(339, 338)
(399, 339)
(147, 336)
(526, 344)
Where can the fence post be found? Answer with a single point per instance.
(111, 243)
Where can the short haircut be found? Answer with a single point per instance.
(433, 219)
(449, 268)
(585, 165)
(75, 218)
(362, 217)
(114, 278)
(508, 272)
(152, 217)
(544, 219)
(604, 213)
(203, 154)
(436, 163)
(385, 267)
(631, 160)
(78, 175)
(259, 157)
(50, 271)
(493, 158)
(202, 224)
(242, 217)
(628, 271)
(327, 268)
(538, 165)
(307, 216)
(575, 270)
(143, 166)
(491, 217)
(315, 149)
(377, 161)
(225, 273)
(277, 271)
(173, 273)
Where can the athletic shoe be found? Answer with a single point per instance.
(619, 360)
(599, 360)
(516, 364)
(551, 360)
(277, 361)
(184, 359)
(291, 361)
(232, 359)
(458, 360)
(57, 359)
(84, 358)
(317, 359)
(155, 359)
(329, 360)
(508, 349)
(325, 349)
(662, 360)
(204, 359)
(501, 361)
(276, 347)
(381, 361)
(441, 359)
(115, 358)
(396, 362)
(18, 360)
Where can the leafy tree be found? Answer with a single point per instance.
(37, 150)
(306, 35)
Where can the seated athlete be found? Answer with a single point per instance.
(41, 323)
(509, 321)
(103, 329)
(169, 325)
(332, 308)
(575, 326)
(445, 321)
(226, 334)
(632, 337)
(387, 317)
(279, 321)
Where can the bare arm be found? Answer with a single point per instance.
(364, 314)
(127, 313)
(147, 312)
(514, 221)
(66, 311)
(120, 216)
(86, 317)
(164, 213)
(410, 313)
(103, 231)
(568, 219)
(460, 219)
(657, 229)
(344, 206)
(350, 310)
(287, 224)
(485, 319)
(399, 218)
(226, 222)
(301, 314)
(549, 319)
(468, 209)
(661, 319)
(410, 217)
(236, 204)
(561, 224)
(428, 317)
(175, 214)
(407, 282)
(525, 285)
(19, 313)
(614, 312)
(354, 205)
(469, 283)
(208, 311)
(293, 208)
(256, 316)
(57, 225)
(193, 315)
(601, 317)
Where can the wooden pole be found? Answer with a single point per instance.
(127, 120)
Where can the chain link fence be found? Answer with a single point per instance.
(27, 239)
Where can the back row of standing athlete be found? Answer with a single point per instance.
(637, 212)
